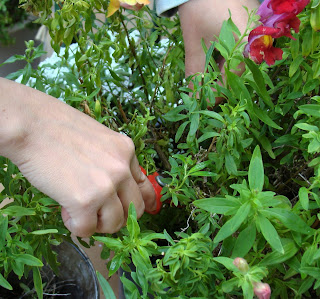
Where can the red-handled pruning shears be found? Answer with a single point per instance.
(157, 184)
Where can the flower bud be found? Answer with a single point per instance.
(315, 18)
(97, 109)
(241, 264)
(262, 290)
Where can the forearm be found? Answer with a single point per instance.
(203, 19)
(15, 117)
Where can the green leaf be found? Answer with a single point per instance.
(264, 141)
(18, 211)
(180, 131)
(37, 281)
(132, 210)
(173, 115)
(4, 283)
(227, 262)
(289, 219)
(29, 260)
(74, 99)
(312, 271)
(208, 135)
(304, 197)
(234, 223)
(199, 166)
(226, 37)
(276, 257)
(168, 237)
(115, 263)
(212, 114)
(3, 230)
(130, 288)
(269, 233)
(256, 171)
(258, 78)
(45, 231)
(238, 86)
(113, 244)
(94, 93)
(217, 205)
(295, 65)
(203, 173)
(306, 285)
(307, 127)
(247, 289)
(194, 124)
(262, 115)
(227, 286)
(132, 223)
(231, 166)
(310, 85)
(105, 286)
(311, 109)
(244, 241)
(13, 59)
(208, 57)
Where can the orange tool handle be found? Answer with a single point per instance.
(157, 189)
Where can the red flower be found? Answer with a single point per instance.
(278, 18)
(288, 6)
(281, 14)
(260, 46)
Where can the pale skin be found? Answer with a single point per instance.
(203, 19)
(91, 171)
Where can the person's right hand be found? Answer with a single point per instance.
(89, 169)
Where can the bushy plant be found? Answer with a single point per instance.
(11, 15)
(242, 177)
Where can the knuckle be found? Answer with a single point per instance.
(128, 144)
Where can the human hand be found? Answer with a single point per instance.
(203, 19)
(89, 169)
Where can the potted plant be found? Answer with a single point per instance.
(241, 201)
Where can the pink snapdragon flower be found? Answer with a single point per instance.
(278, 18)
(241, 264)
(260, 46)
(282, 14)
(262, 290)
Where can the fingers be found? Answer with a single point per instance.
(84, 222)
(128, 193)
(111, 217)
(83, 225)
(107, 211)
(145, 187)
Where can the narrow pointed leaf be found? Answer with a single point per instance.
(256, 172)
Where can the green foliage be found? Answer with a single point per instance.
(11, 15)
(242, 177)
(29, 227)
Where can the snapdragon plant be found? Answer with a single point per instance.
(242, 177)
